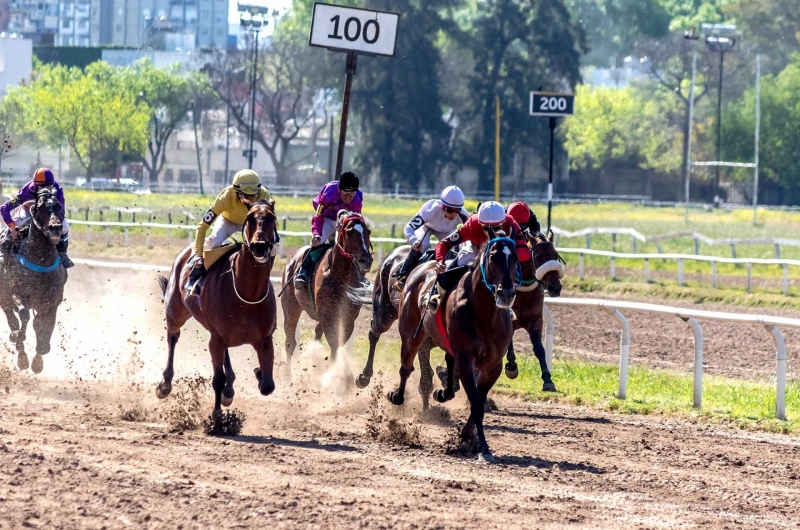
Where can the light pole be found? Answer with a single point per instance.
(719, 38)
(252, 24)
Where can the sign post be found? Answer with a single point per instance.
(553, 106)
(354, 31)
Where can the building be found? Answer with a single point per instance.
(16, 61)
(74, 23)
(36, 20)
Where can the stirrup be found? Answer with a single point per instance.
(400, 284)
(193, 289)
(433, 302)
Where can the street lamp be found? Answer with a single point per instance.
(252, 23)
(720, 38)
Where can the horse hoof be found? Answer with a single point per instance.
(259, 376)
(37, 365)
(440, 396)
(266, 387)
(226, 401)
(22, 361)
(512, 371)
(163, 389)
(486, 458)
(549, 387)
(395, 398)
(362, 381)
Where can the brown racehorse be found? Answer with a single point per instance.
(543, 272)
(477, 324)
(237, 306)
(340, 271)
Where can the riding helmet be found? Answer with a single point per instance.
(491, 213)
(247, 182)
(520, 212)
(348, 181)
(453, 197)
(44, 177)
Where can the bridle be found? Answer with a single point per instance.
(540, 271)
(340, 236)
(493, 288)
(270, 244)
(34, 209)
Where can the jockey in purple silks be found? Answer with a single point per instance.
(334, 196)
(16, 215)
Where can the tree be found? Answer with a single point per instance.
(94, 112)
(14, 128)
(774, 25)
(169, 94)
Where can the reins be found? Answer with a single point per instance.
(340, 236)
(489, 245)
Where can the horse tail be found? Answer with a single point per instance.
(163, 281)
(361, 294)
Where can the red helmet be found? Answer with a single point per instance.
(520, 212)
(43, 177)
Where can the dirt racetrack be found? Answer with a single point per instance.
(86, 444)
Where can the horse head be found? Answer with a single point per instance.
(498, 264)
(259, 233)
(549, 264)
(352, 239)
(47, 215)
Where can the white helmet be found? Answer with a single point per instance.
(491, 213)
(453, 197)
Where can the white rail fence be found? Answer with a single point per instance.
(691, 316)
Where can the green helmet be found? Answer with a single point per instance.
(247, 182)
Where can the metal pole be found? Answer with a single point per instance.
(253, 102)
(689, 133)
(496, 147)
(350, 71)
(719, 125)
(758, 130)
(550, 184)
(330, 149)
(227, 125)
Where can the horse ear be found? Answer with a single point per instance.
(491, 233)
(551, 236)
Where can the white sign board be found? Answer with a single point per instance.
(351, 29)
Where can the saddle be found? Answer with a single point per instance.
(316, 258)
(210, 257)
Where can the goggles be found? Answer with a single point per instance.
(450, 209)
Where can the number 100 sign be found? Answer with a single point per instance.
(549, 104)
(350, 29)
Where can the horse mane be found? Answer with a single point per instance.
(482, 250)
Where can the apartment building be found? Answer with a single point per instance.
(74, 23)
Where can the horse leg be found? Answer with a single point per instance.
(165, 387)
(442, 372)
(380, 324)
(426, 375)
(477, 398)
(216, 347)
(18, 337)
(485, 384)
(512, 371)
(13, 323)
(318, 332)
(538, 350)
(43, 326)
(408, 352)
(449, 392)
(230, 377)
(266, 359)
(291, 315)
(176, 315)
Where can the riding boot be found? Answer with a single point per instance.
(62, 247)
(195, 282)
(301, 278)
(444, 282)
(408, 265)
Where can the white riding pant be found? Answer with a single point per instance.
(466, 253)
(423, 235)
(328, 231)
(221, 230)
(22, 216)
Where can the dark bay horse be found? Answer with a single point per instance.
(542, 273)
(328, 301)
(33, 279)
(237, 306)
(474, 328)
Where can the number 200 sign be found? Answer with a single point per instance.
(351, 29)
(549, 104)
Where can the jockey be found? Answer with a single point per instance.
(437, 217)
(334, 196)
(228, 213)
(16, 215)
(524, 217)
(475, 232)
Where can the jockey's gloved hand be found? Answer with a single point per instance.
(14, 233)
(316, 241)
(417, 246)
(198, 262)
(440, 267)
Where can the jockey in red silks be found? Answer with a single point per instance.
(334, 196)
(16, 215)
(524, 217)
(471, 236)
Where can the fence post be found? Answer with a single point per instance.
(633, 240)
(696, 247)
(613, 269)
(646, 270)
(780, 372)
(101, 215)
(133, 217)
(777, 251)
(169, 236)
(658, 248)
(393, 227)
(119, 216)
(713, 274)
(581, 267)
(549, 340)
(588, 241)
(698, 362)
(284, 223)
(749, 277)
(127, 240)
(785, 279)
(624, 352)
(733, 250)
(680, 272)
(614, 242)
(87, 213)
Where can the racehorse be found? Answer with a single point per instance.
(237, 306)
(473, 326)
(543, 272)
(33, 279)
(327, 301)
